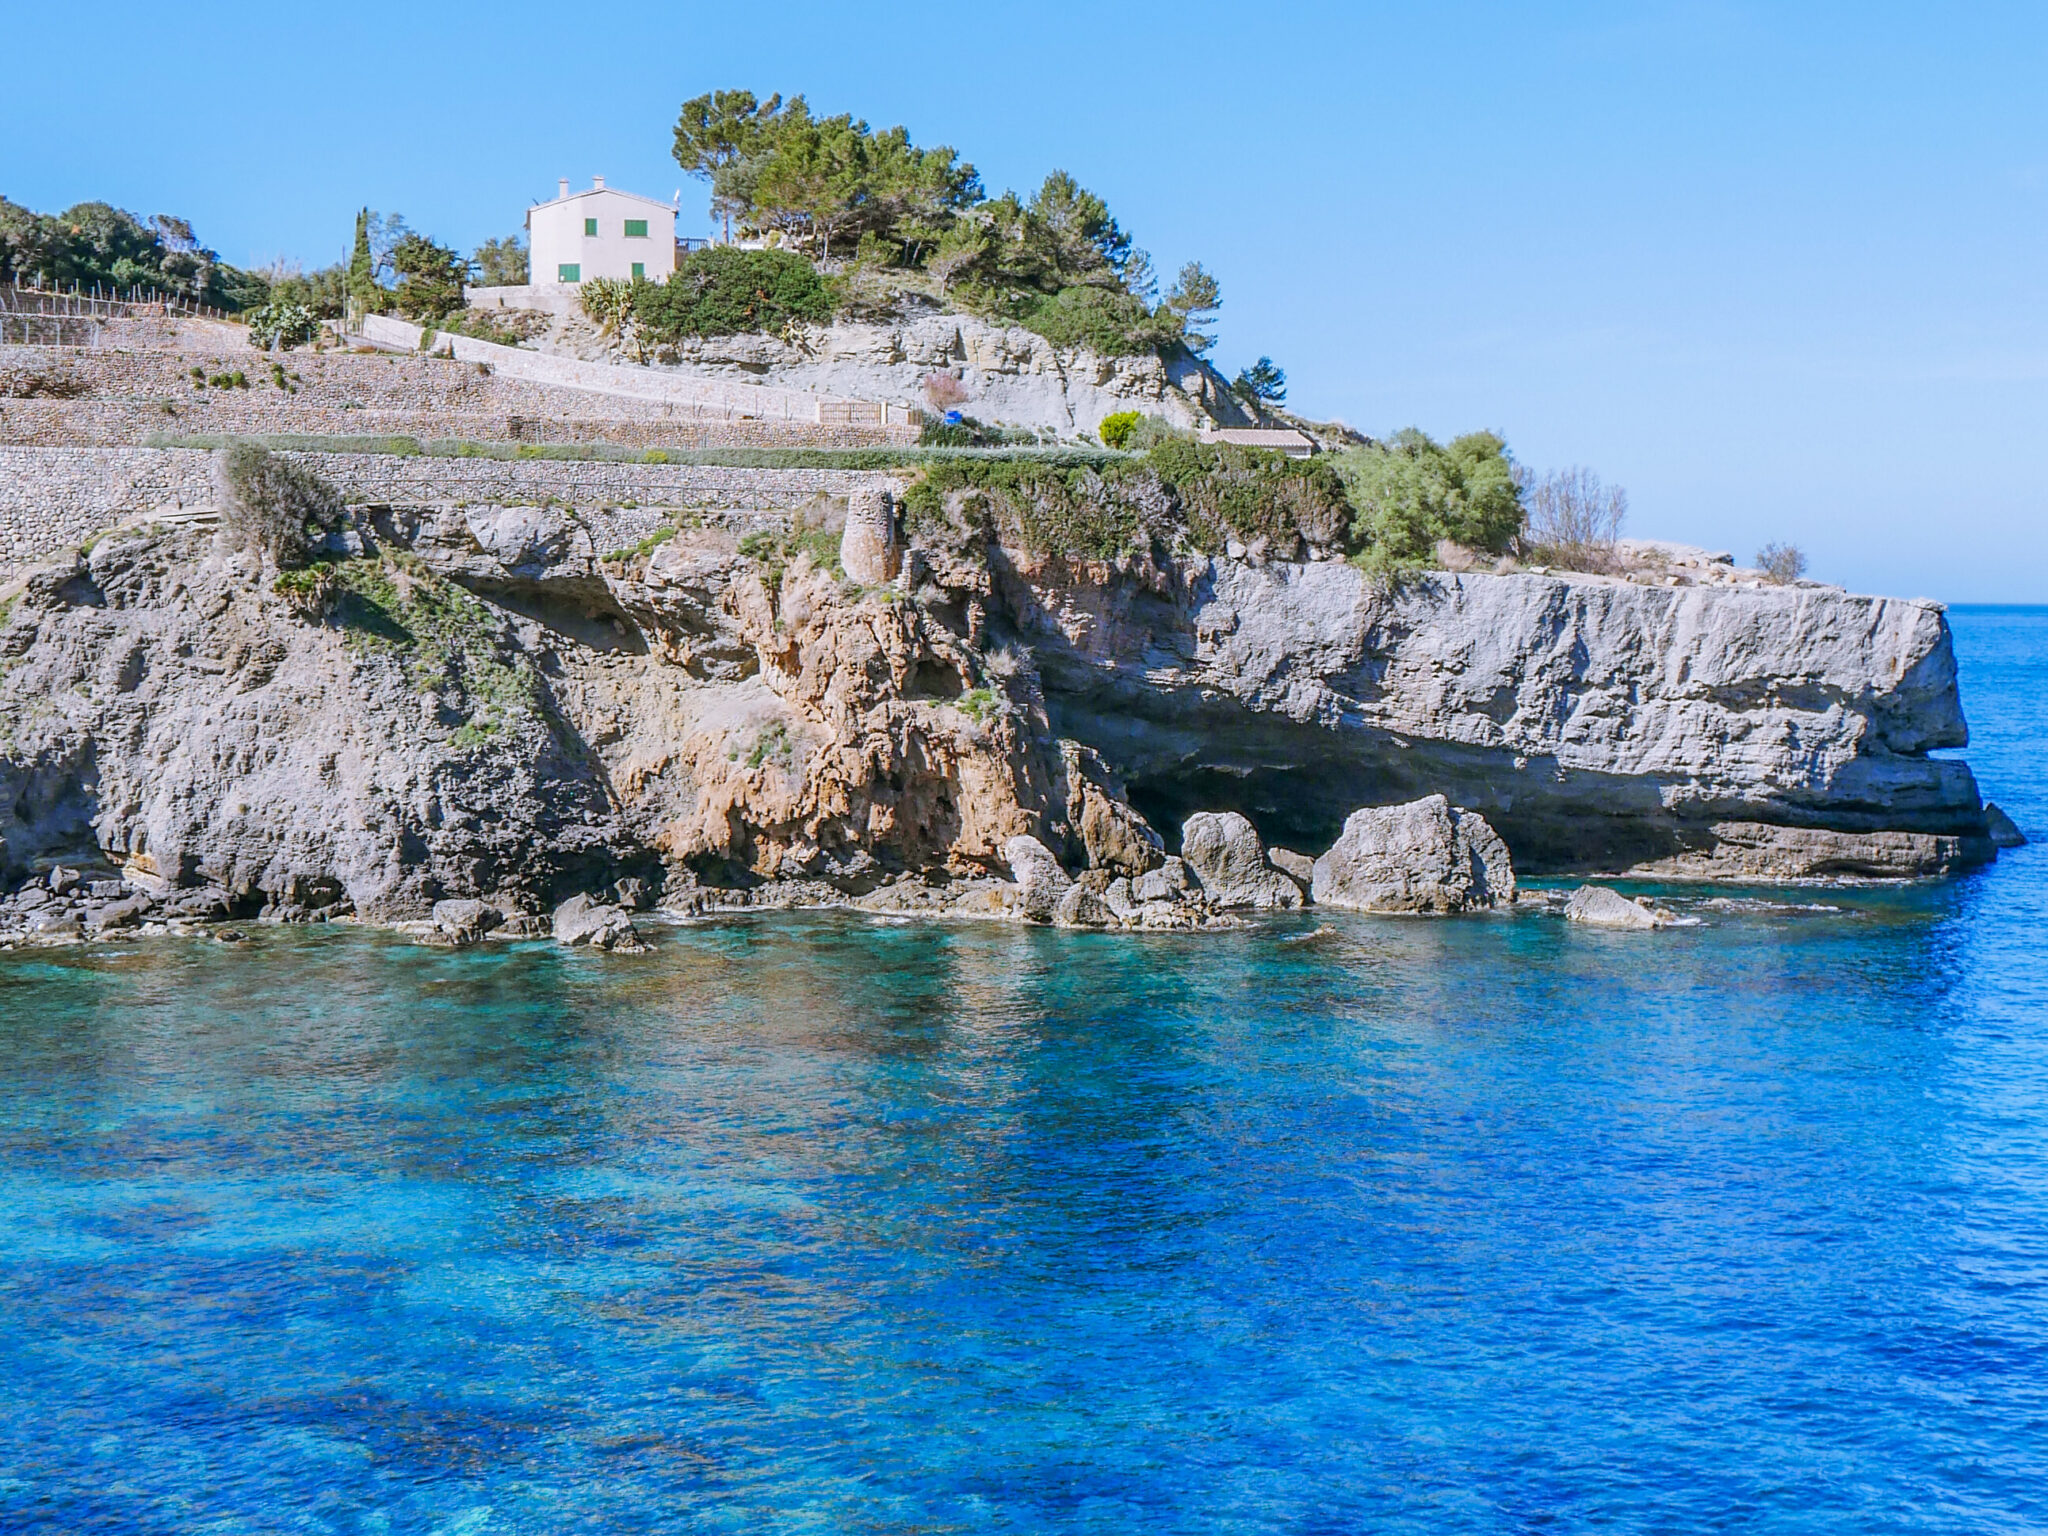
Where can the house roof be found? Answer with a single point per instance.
(1284, 440)
(635, 197)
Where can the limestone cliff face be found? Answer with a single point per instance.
(1597, 724)
(469, 701)
(1006, 373)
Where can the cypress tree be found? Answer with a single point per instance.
(362, 271)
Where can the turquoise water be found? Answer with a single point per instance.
(818, 1224)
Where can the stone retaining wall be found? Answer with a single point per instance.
(52, 499)
(66, 396)
(99, 423)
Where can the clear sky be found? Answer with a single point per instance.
(1776, 268)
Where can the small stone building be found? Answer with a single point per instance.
(600, 232)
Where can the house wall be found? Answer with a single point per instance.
(556, 237)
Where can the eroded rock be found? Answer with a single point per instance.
(583, 920)
(1425, 856)
(1224, 852)
(1599, 907)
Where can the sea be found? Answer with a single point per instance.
(822, 1223)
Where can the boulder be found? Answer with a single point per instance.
(1599, 907)
(1082, 908)
(2002, 830)
(585, 920)
(1039, 877)
(464, 923)
(1114, 836)
(126, 913)
(53, 922)
(632, 893)
(1224, 851)
(1298, 867)
(1425, 856)
(63, 881)
(208, 901)
(1171, 881)
(1119, 900)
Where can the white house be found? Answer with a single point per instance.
(600, 233)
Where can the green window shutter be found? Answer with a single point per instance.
(569, 272)
(636, 229)
(639, 269)
(590, 226)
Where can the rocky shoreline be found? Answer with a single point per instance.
(445, 703)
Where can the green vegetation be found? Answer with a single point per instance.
(714, 292)
(448, 642)
(282, 325)
(1059, 263)
(772, 746)
(1115, 429)
(273, 506)
(97, 243)
(430, 277)
(1410, 492)
(500, 263)
(612, 453)
(776, 552)
(1262, 384)
(977, 703)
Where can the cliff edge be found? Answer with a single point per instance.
(477, 701)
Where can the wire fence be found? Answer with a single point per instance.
(97, 302)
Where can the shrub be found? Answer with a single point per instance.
(1783, 563)
(1223, 489)
(721, 291)
(272, 506)
(1115, 429)
(1574, 519)
(943, 391)
(1413, 491)
(282, 325)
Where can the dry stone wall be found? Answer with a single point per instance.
(52, 499)
(68, 396)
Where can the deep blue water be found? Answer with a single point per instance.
(818, 1224)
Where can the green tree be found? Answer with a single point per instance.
(723, 136)
(429, 278)
(1264, 383)
(1193, 302)
(362, 269)
(500, 263)
(1410, 492)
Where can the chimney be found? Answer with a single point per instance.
(562, 187)
(597, 182)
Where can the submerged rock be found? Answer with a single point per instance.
(1225, 854)
(1425, 856)
(1600, 907)
(465, 922)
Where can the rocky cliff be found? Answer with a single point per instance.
(1004, 373)
(470, 701)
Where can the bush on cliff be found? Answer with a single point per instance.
(1182, 495)
(1408, 493)
(273, 506)
(725, 292)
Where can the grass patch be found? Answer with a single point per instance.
(776, 552)
(1064, 457)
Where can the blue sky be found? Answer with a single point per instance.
(1777, 269)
